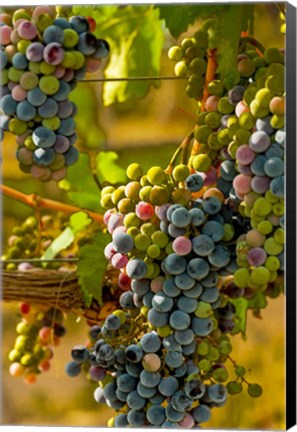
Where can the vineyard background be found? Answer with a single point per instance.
(138, 131)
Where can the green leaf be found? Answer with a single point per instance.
(60, 243)
(91, 268)
(107, 169)
(242, 306)
(136, 39)
(178, 18)
(78, 221)
(81, 186)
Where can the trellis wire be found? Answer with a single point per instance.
(161, 78)
(38, 260)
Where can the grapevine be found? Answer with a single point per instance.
(187, 250)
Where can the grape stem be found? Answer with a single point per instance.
(252, 41)
(182, 149)
(35, 201)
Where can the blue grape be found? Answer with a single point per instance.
(192, 369)
(277, 186)
(175, 231)
(43, 156)
(109, 391)
(134, 369)
(181, 217)
(202, 326)
(274, 167)
(157, 319)
(71, 156)
(198, 268)
(170, 289)
(181, 371)
(162, 303)
(25, 111)
(202, 245)
(157, 399)
(174, 415)
(147, 299)
(201, 413)
(211, 205)
(259, 141)
(210, 280)
(61, 144)
(102, 49)
(48, 109)
(62, 22)
(146, 392)
(136, 268)
(184, 281)
(174, 359)
(280, 137)
(36, 97)
(123, 243)
(87, 43)
(257, 166)
(79, 74)
(106, 352)
(164, 227)
(65, 109)
(150, 379)
(186, 304)
(194, 183)
(135, 401)
(214, 230)
(63, 92)
(79, 24)
(174, 264)
(53, 33)
(220, 256)
(80, 353)
(210, 295)
(150, 342)
(227, 170)
(119, 356)
(190, 348)
(180, 401)
(170, 343)
(126, 382)
(126, 300)
(171, 209)
(8, 105)
(134, 353)
(67, 127)
(112, 322)
(179, 320)
(19, 61)
(72, 369)
(121, 421)
(156, 415)
(72, 139)
(263, 124)
(136, 418)
(43, 137)
(168, 386)
(3, 60)
(235, 95)
(184, 337)
(275, 150)
(217, 393)
(194, 389)
(140, 286)
(194, 292)
(99, 396)
(224, 186)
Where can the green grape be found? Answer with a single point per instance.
(200, 120)
(249, 95)
(241, 136)
(159, 195)
(131, 220)
(215, 88)
(220, 375)
(273, 55)
(132, 190)
(156, 175)
(148, 229)
(225, 347)
(142, 242)
(202, 162)
(277, 121)
(254, 390)
(213, 141)
(145, 192)
(204, 365)
(234, 387)
(125, 205)
(160, 239)
(264, 97)
(213, 354)
(134, 172)
(153, 251)
(240, 371)
(213, 120)
(202, 133)
(181, 69)
(198, 66)
(201, 38)
(223, 137)
(246, 121)
(246, 68)
(118, 194)
(175, 53)
(224, 106)
(187, 43)
(180, 172)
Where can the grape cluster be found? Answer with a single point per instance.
(40, 329)
(160, 360)
(42, 58)
(191, 62)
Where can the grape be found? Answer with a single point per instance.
(259, 141)
(220, 256)
(43, 156)
(71, 156)
(19, 61)
(8, 105)
(63, 92)
(179, 320)
(181, 217)
(186, 304)
(202, 326)
(145, 392)
(274, 167)
(227, 168)
(72, 369)
(162, 303)
(150, 342)
(156, 415)
(174, 264)
(198, 268)
(157, 319)
(211, 205)
(174, 359)
(170, 289)
(214, 230)
(135, 401)
(194, 183)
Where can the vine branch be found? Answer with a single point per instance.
(35, 201)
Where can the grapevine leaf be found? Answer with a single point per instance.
(81, 186)
(242, 306)
(136, 40)
(178, 18)
(91, 268)
(78, 221)
(107, 169)
(60, 243)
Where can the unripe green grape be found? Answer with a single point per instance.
(159, 195)
(169, 250)
(254, 390)
(181, 196)
(275, 84)
(180, 172)
(175, 53)
(107, 190)
(204, 365)
(160, 239)
(203, 310)
(234, 387)
(187, 43)
(213, 354)
(125, 205)
(247, 121)
(164, 331)
(264, 97)
(201, 118)
(52, 123)
(223, 137)
(242, 136)
(240, 371)
(225, 347)
(201, 38)
(277, 121)
(201, 162)
(181, 69)
(228, 232)
(133, 231)
(43, 21)
(213, 120)
(132, 190)
(215, 88)
(118, 194)
(273, 55)
(246, 68)
(14, 355)
(134, 171)
(153, 251)
(144, 193)
(213, 141)
(259, 62)
(225, 106)
(142, 242)
(34, 67)
(131, 220)
(17, 127)
(196, 81)
(106, 201)
(258, 111)
(277, 69)
(202, 348)
(14, 74)
(148, 228)
(156, 175)
(4, 77)
(193, 91)
(202, 133)
(58, 162)
(198, 66)
(220, 375)
(144, 181)
(241, 277)
(22, 46)
(193, 52)
(249, 94)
